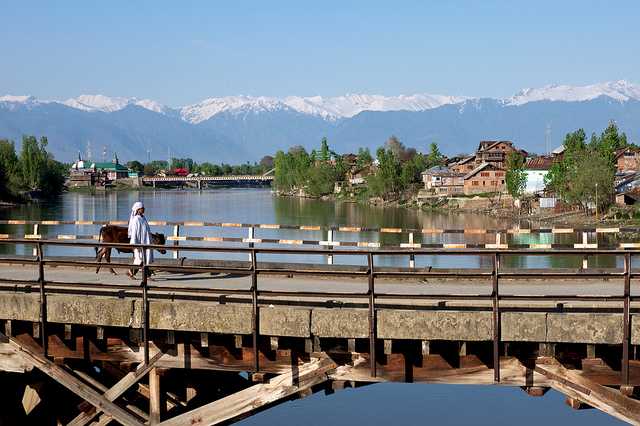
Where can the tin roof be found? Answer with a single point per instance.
(539, 163)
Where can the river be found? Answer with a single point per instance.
(399, 404)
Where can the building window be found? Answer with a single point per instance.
(475, 183)
(484, 174)
(502, 181)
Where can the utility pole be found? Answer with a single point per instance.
(547, 137)
(596, 201)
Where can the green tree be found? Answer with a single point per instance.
(136, 166)
(364, 158)
(387, 179)
(325, 153)
(33, 162)
(434, 157)
(591, 172)
(557, 177)
(9, 164)
(516, 178)
(585, 167)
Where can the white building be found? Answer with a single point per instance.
(536, 169)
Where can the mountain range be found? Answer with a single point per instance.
(237, 129)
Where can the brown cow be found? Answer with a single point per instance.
(119, 235)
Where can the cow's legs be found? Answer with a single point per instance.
(108, 256)
(99, 256)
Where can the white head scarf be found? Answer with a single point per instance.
(136, 206)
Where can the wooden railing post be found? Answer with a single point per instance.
(496, 318)
(35, 232)
(43, 299)
(412, 257)
(329, 246)
(626, 319)
(251, 236)
(145, 306)
(255, 313)
(585, 258)
(372, 315)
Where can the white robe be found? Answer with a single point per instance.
(140, 234)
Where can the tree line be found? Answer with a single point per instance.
(32, 170)
(585, 173)
(395, 169)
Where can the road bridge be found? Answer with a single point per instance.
(199, 180)
(167, 347)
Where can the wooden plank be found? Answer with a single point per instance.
(76, 386)
(251, 399)
(11, 361)
(118, 389)
(588, 392)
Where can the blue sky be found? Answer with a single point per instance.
(183, 52)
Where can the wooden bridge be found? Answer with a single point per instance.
(199, 180)
(168, 347)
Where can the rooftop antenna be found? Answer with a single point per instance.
(547, 137)
(148, 154)
(104, 153)
(169, 157)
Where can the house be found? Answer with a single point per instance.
(465, 165)
(628, 183)
(628, 159)
(112, 171)
(441, 180)
(494, 152)
(486, 177)
(536, 169)
(357, 175)
(81, 174)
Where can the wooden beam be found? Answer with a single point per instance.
(251, 399)
(154, 397)
(588, 392)
(75, 385)
(117, 390)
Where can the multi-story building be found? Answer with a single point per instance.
(494, 152)
(441, 180)
(486, 177)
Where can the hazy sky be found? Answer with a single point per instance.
(182, 52)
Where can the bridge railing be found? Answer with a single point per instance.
(338, 236)
(493, 274)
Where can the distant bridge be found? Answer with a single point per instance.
(233, 180)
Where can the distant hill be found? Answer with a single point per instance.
(240, 129)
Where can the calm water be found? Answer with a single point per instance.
(399, 404)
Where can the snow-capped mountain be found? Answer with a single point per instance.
(331, 108)
(236, 129)
(108, 104)
(338, 107)
(620, 90)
